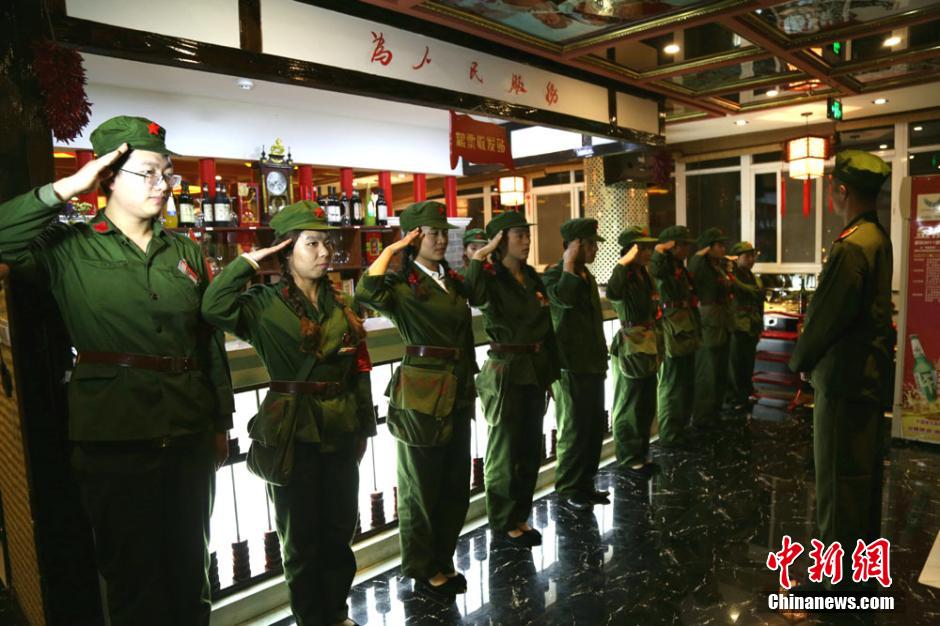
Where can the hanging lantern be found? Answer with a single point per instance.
(511, 190)
(807, 159)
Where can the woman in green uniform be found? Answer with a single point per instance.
(514, 382)
(431, 394)
(473, 240)
(747, 318)
(634, 353)
(150, 397)
(318, 409)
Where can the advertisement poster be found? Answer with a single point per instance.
(918, 398)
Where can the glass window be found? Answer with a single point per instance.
(924, 163)
(556, 178)
(551, 210)
(868, 139)
(473, 208)
(798, 235)
(714, 200)
(767, 157)
(765, 216)
(926, 133)
(662, 207)
(713, 163)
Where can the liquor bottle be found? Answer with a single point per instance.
(370, 210)
(170, 215)
(208, 215)
(222, 207)
(356, 209)
(925, 374)
(187, 211)
(344, 209)
(381, 209)
(333, 210)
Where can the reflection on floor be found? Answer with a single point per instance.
(688, 547)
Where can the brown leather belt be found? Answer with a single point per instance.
(517, 348)
(646, 325)
(323, 389)
(435, 352)
(169, 364)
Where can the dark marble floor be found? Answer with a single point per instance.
(687, 547)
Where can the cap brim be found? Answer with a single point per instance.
(646, 240)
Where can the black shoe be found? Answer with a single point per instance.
(519, 541)
(652, 468)
(535, 537)
(636, 472)
(459, 581)
(599, 497)
(579, 503)
(440, 593)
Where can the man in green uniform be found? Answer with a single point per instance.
(473, 240)
(150, 397)
(847, 348)
(313, 347)
(747, 321)
(713, 288)
(431, 395)
(680, 332)
(634, 352)
(579, 393)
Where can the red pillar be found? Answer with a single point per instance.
(82, 157)
(385, 182)
(450, 195)
(421, 187)
(346, 180)
(305, 182)
(207, 175)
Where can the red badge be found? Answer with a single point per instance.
(454, 275)
(154, 128)
(101, 227)
(363, 362)
(187, 271)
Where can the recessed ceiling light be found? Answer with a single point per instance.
(772, 93)
(880, 101)
(672, 48)
(917, 129)
(740, 123)
(910, 156)
(883, 146)
(245, 84)
(892, 41)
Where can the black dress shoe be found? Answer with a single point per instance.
(599, 497)
(579, 503)
(519, 541)
(601, 492)
(637, 472)
(445, 592)
(534, 536)
(459, 581)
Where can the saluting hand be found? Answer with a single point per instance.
(627, 259)
(258, 255)
(404, 242)
(89, 176)
(572, 255)
(703, 251)
(484, 252)
(663, 247)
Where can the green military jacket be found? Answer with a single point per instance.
(747, 306)
(576, 315)
(514, 313)
(424, 390)
(114, 297)
(713, 289)
(679, 304)
(262, 317)
(848, 340)
(635, 349)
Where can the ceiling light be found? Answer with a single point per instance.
(892, 41)
(883, 146)
(245, 84)
(917, 129)
(880, 101)
(399, 176)
(672, 48)
(740, 123)
(910, 156)
(772, 93)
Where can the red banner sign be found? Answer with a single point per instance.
(478, 142)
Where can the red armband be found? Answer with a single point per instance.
(363, 362)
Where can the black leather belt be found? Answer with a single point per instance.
(434, 352)
(170, 364)
(324, 389)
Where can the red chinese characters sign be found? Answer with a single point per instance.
(478, 142)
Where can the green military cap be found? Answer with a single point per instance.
(580, 228)
(742, 247)
(303, 215)
(474, 235)
(506, 220)
(861, 170)
(635, 234)
(429, 213)
(677, 233)
(710, 236)
(137, 132)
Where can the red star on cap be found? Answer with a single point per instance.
(319, 212)
(154, 128)
(441, 210)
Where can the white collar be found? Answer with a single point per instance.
(435, 274)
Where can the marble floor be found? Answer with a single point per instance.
(687, 547)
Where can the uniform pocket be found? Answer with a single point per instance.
(680, 337)
(272, 430)
(426, 390)
(715, 325)
(179, 286)
(491, 385)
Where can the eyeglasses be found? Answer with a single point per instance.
(153, 178)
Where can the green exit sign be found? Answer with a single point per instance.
(834, 108)
(837, 48)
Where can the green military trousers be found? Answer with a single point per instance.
(742, 352)
(847, 439)
(579, 411)
(149, 509)
(633, 412)
(514, 451)
(711, 383)
(316, 520)
(674, 393)
(433, 498)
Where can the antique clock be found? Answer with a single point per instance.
(277, 189)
